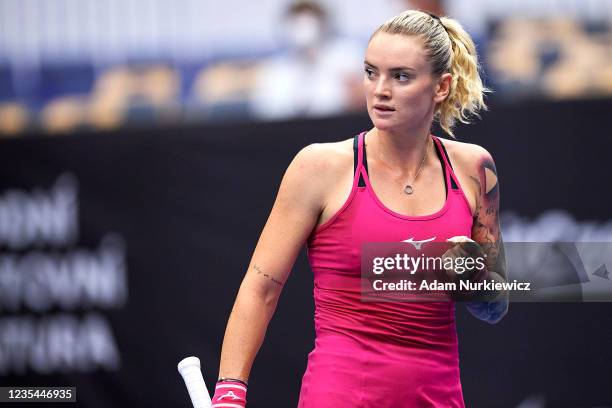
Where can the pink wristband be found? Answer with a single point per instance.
(229, 394)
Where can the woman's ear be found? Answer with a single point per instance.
(443, 87)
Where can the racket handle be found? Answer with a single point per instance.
(189, 368)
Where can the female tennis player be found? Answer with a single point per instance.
(393, 183)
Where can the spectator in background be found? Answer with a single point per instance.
(317, 75)
(436, 7)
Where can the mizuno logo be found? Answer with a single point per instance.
(230, 394)
(418, 244)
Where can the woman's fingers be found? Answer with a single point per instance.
(465, 248)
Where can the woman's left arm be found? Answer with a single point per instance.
(486, 232)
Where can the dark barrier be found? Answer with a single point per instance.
(122, 253)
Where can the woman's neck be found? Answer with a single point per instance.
(401, 152)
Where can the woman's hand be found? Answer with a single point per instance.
(469, 259)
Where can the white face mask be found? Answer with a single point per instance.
(304, 30)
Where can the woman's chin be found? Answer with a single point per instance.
(382, 124)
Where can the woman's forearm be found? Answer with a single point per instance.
(494, 309)
(246, 330)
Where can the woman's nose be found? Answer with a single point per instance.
(382, 89)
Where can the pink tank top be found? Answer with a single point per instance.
(371, 354)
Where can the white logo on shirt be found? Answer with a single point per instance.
(418, 245)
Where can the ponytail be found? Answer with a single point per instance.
(466, 96)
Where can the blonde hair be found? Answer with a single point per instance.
(451, 50)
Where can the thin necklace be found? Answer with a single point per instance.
(409, 189)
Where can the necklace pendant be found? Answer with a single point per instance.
(408, 189)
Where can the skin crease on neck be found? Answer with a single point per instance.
(398, 76)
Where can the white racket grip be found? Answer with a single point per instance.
(189, 368)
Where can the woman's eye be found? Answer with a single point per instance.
(369, 72)
(402, 77)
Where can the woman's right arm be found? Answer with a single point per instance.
(298, 204)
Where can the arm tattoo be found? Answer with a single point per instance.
(260, 272)
(486, 231)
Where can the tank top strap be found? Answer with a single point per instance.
(451, 177)
(360, 161)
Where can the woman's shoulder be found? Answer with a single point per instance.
(322, 158)
(314, 173)
(316, 168)
(468, 156)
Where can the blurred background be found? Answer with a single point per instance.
(142, 143)
(68, 65)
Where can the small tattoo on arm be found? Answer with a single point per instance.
(260, 272)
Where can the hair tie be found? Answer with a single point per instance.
(432, 15)
(435, 17)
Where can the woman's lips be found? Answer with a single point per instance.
(383, 110)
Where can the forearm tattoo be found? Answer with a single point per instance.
(265, 275)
